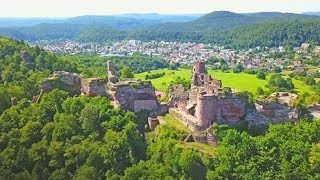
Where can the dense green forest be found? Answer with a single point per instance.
(290, 33)
(22, 68)
(64, 137)
(221, 28)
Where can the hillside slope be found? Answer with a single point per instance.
(221, 27)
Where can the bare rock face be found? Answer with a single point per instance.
(230, 109)
(285, 98)
(95, 87)
(163, 109)
(135, 96)
(276, 112)
(277, 108)
(64, 81)
(315, 111)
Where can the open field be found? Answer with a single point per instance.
(237, 81)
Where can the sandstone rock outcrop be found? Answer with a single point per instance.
(95, 87)
(277, 113)
(276, 108)
(134, 95)
(314, 111)
(63, 80)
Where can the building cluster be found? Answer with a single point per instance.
(188, 52)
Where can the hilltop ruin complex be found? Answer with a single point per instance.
(204, 104)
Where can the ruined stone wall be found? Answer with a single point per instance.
(188, 120)
(216, 83)
(112, 73)
(212, 86)
(220, 109)
(178, 97)
(153, 123)
(194, 91)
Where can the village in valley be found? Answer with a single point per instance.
(298, 59)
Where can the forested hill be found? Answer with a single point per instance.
(239, 30)
(290, 33)
(223, 20)
(63, 137)
(23, 67)
(221, 27)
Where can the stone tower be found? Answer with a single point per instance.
(204, 110)
(199, 67)
(112, 72)
(199, 71)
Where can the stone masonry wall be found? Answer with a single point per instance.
(224, 110)
(178, 97)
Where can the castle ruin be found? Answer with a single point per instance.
(205, 103)
(127, 93)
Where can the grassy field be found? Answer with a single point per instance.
(237, 81)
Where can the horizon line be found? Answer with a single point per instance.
(157, 13)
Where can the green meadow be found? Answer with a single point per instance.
(237, 81)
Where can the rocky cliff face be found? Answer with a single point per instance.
(95, 87)
(230, 109)
(135, 96)
(64, 81)
(277, 113)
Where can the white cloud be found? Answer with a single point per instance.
(22, 8)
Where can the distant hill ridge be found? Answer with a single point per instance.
(219, 27)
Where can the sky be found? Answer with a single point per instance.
(68, 8)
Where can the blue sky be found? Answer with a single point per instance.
(62, 8)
